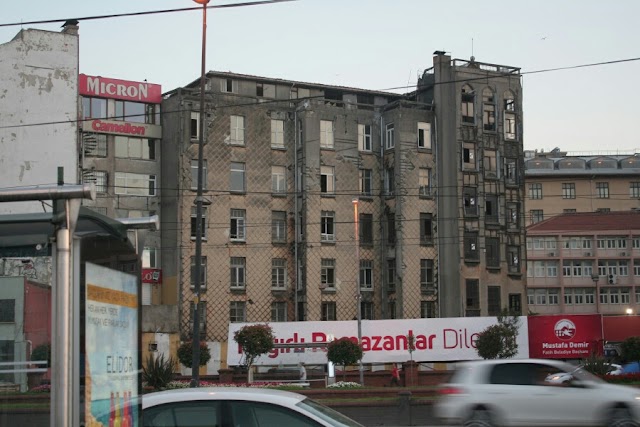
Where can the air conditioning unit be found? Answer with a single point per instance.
(611, 279)
(623, 254)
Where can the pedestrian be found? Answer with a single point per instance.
(303, 372)
(395, 376)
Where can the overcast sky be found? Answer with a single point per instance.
(383, 44)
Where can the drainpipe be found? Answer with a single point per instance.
(295, 209)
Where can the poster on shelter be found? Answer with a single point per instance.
(111, 345)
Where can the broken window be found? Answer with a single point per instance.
(470, 201)
(468, 157)
(467, 101)
(491, 208)
(488, 110)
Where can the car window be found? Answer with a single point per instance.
(259, 414)
(331, 416)
(183, 414)
(512, 373)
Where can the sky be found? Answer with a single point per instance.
(382, 44)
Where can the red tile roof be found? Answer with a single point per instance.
(589, 221)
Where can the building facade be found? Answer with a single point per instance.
(586, 262)
(560, 183)
(292, 169)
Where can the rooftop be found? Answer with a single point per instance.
(589, 221)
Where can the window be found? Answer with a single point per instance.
(494, 303)
(428, 309)
(568, 190)
(426, 229)
(101, 181)
(569, 211)
(203, 272)
(490, 164)
(328, 311)
(509, 126)
(327, 226)
(278, 274)
(194, 127)
(277, 133)
(602, 190)
(391, 275)
(279, 227)
(236, 130)
(238, 273)
(202, 317)
(492, 254)
(328, 273)
(150, 257)
(7, 311)
(279, 180)
(488, 110)
(327, 180)
(137, 112)
(194, 174)
(326, 134)
(94, 108)
(391, 229)
(513, 215)
(471, 252)
(364, 137)
(427, 285)
(389, 181)
(279, 311)
(491, 208)
(237, 179)
(366, 275)
(390, 136)
(536, 215)
(94, 144)
(509, 101)
(135, 148)
(366, 310)
(469, 156)
(365, 181)
(473, 296)
(228, 86)
(237, 226)
(513, 258)
(203, 222)
(634, 190)
(424, 182)
(133, 184)
(467, 101)
(391, 307)
(470, 201)
(366, 229)
(511, 171)
(424, 135)
(237, 312)
(535, 191)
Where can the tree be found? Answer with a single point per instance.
(42, 352)
(344, 352)
(630, 349)
(255, 341)
(185, 354)
(411, 344)
(499, 341)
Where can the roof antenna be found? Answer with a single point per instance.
(472, 47)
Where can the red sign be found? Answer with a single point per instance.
(106, 126)
(120, 89)
(571, 336)
(152, 275)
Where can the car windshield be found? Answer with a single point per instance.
(331, 416)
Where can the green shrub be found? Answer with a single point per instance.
(158, 372)
(595, 364)
(185, 354)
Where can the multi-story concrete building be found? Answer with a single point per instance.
(584, 263)
(561, 183)
(437, 175)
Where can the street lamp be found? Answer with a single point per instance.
(195, 362)
(629, 311)
(358, 291)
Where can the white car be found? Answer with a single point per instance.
(515, 393)
(237, 406)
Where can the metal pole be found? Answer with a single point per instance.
(195, 364)
(358, 290)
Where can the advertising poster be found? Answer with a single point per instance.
(441, 339)
(565, 336)
(111, 335)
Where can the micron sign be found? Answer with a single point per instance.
(120, 89)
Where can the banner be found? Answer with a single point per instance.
(383, 341)
(572, 336)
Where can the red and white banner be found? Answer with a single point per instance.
(573, 336)
(152, 275)
(103, 87)
(383, 341)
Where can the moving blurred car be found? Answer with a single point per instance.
(566, 377)
(233, 407)
(515, 393)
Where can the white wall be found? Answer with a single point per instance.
(38, 84)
